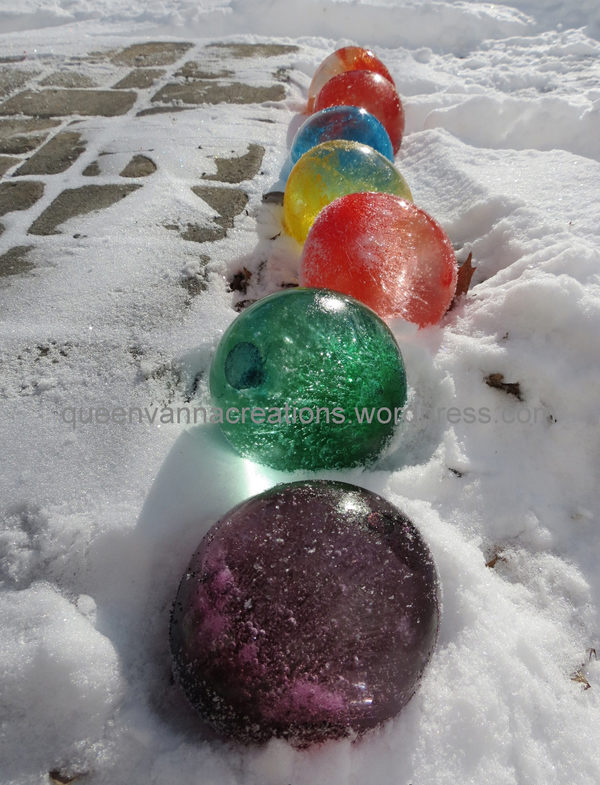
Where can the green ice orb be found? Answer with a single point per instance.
(308, 379)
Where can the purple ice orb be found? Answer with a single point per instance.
(308, 612)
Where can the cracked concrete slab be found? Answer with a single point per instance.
(210, 92)
(14, 261)
(20, 195)
(253, 50)
(79, 201)
(238, 168)
(152, 53)
(139, 166)
(55, 156)
(60, 103)
(140, 78)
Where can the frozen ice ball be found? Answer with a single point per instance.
(330, 170)
(386, 252)
(373, 92)
(352, 123)
(308, 612)
(348, 58)
(308, 379)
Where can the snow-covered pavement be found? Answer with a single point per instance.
(136, 144)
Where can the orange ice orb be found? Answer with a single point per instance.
(330, 170)
(371, 91)
(384, 251)
(349, 58)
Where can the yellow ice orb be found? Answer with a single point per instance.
(331, 170)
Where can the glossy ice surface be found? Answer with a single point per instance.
(351, 123)
(371, 91)
(386, 252)
(331, 170)
(308, 612)
(349, 58)
(320, 354)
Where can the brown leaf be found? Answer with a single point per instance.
(240, 281)
(579, 677)
(494, 560)
(463, 280)
(496, 380)
(241, 304)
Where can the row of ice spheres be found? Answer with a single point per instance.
(310, 611)
(351, 208)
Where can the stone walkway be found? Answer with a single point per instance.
(40, 115)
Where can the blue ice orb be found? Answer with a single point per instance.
(350, 123)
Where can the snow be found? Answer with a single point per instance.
(100, 519)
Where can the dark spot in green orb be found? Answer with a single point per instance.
(244, 366)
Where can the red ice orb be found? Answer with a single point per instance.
(308, 612)
(348, 58)
(384, 251)
(373, 92)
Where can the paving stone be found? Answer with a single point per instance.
(196, 233)
(19, 195)
(195, 70)
(197, 282)
(19, 145)
(139, 166)
(92, 57)
(163, 110)
(59, 103)
(6, 162)
(68, 79)
(55, 156)
(78, 201)
(153, 53)
(209, 92)
(30, 125)
(14, 261)
(228, 202)
(238, 168)
(253, 50)
(140, 78)
(92, 170)
(12, 79)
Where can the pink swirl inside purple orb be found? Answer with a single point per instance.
(308, 612)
